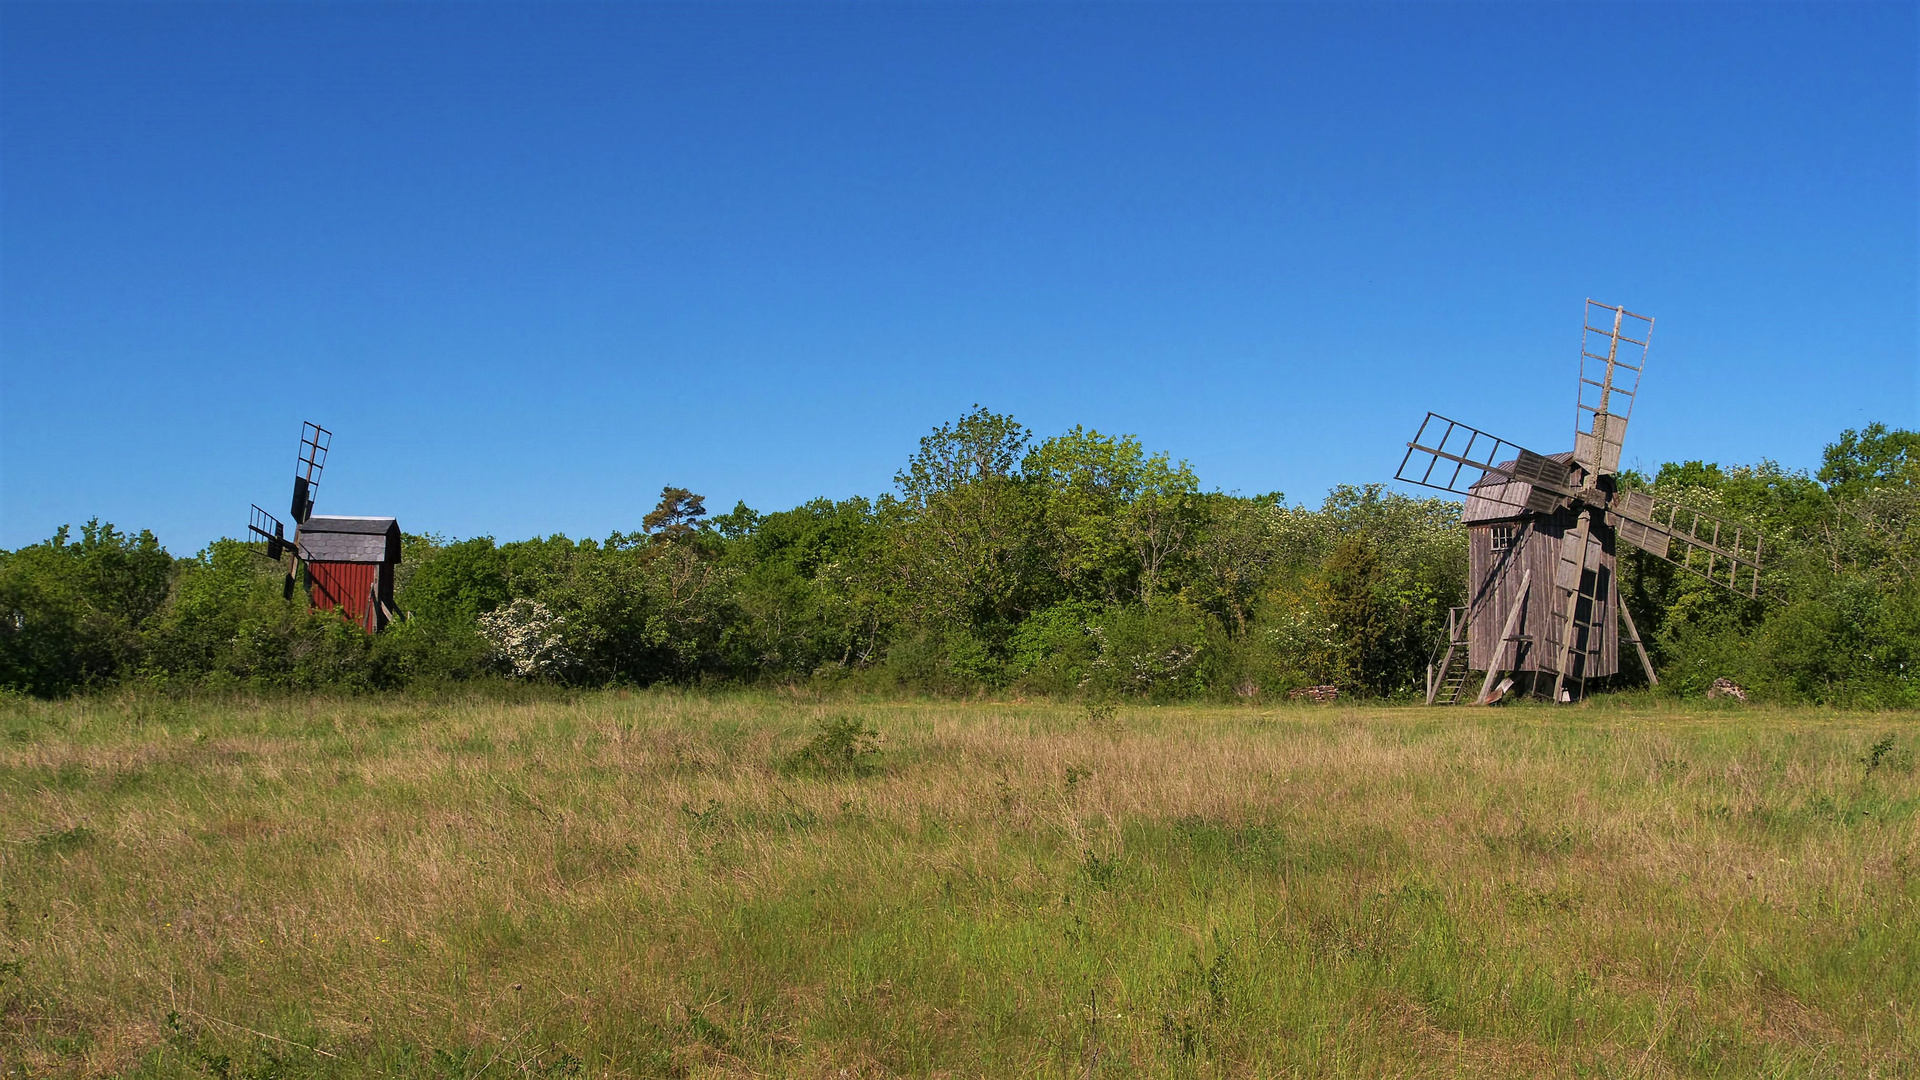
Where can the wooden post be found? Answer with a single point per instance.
(1506, 631)
(1633, 634)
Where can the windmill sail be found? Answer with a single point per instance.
(1579, 641)
(1450, 456)
(314, 443)
(1579, 552)
(310, 463)
(1720, 551)
(1613, 350)
(268, 528)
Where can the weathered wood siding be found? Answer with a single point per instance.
(1494, 581)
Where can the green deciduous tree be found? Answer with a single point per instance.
(72, 612)
(1350, 601)
(1874, 456)
(963, 531)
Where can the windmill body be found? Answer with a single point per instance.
(1509, 544)
(1543, 595)
(350, 566)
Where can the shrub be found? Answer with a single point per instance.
(72, 613)
(840, 746)
(529, 639)
(1156, 650)
(1053, 650)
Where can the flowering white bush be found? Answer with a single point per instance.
(531, 639)
(1300, 640)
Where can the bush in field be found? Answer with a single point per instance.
(454, 584)
(1290, 644)
(1157, 650)
(1053, 651)
(529, 639)
(1350, 600)
(839, 746)
(810, 596)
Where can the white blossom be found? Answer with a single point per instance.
(529, 638)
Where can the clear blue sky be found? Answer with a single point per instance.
(532, 262)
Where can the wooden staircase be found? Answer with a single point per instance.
(1447, 684)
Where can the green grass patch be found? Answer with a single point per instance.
(674, 885)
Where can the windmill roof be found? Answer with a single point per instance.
(1496, 498)
(349, 524)
(349, 539)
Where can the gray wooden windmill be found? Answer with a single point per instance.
(1543, 597)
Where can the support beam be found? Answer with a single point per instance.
(1633, 635)
(1507, 630)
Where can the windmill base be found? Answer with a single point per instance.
(1505, 686)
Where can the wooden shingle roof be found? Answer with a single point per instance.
(349, 539)
(1496, 498)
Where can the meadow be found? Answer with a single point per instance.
(665, 884)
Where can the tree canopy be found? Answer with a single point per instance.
(1079, 564)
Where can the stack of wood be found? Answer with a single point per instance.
(1320, 694)
(1726, 688)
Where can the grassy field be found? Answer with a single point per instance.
(660, 885)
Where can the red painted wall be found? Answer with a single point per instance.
(345, 586)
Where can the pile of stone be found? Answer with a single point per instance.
(1726, 688)
(1320, 694)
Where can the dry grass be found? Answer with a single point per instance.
(646, 885)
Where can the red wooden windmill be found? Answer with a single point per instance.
(348, 562)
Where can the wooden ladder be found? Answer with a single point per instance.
(1587, 637)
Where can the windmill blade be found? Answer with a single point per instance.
(1613, 350)
(1722, 552)
(314, 444)
(1449, 456)
(268, 528)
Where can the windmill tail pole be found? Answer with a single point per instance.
(1506, 631)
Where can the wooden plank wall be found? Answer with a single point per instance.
(343, 585)
(1494, 579)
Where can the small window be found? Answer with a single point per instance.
(1504, 536)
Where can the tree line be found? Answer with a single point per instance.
(1075, 565)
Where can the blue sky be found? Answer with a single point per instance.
(532, 262)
